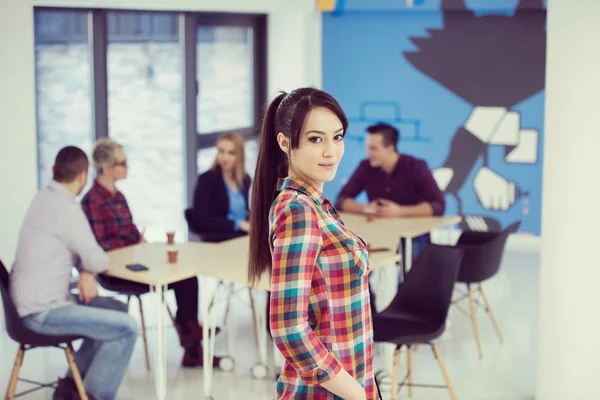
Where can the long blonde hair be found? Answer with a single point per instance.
(239, 172)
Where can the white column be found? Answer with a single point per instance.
(18, 154)
(569, 333)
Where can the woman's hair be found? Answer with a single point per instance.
(286, 114)
(105, 153)
(239, 172)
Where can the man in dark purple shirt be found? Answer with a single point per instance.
(397, 185)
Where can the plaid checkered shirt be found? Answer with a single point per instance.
(320, 314)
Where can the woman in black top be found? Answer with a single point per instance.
(220, 209)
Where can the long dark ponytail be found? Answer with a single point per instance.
(268, 170)
(285, 114)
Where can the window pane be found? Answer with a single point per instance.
(145, 115)
(63, 81)
(251, 156)
(225, 65)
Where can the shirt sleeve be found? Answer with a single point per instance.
(355, 185)
(96, 218)
(129, 233)
(297, 243)
(81, 241)
(428, 189)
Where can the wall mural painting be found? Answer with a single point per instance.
(490, 61)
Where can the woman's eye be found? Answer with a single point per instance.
(315, 139)
(339, 137)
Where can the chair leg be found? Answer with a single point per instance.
(254, 317)
(214, 296)
(171, 315)
(474, 322)
(488, 309)
(395, 373)
(76, 377)
(14, 376)
(440, 360)
(144, 337)
(229, 296)
(409, 369)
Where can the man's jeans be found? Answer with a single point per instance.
(110, 335)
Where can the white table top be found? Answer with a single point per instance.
(388, 231)
(226, 261)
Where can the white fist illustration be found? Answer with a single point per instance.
(494, 192)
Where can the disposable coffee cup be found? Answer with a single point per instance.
(171, 237)
(172, 254)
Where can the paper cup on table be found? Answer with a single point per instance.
(172, 253)
(171, 237)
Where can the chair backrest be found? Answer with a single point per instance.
(14, 326)
(428, 286)
(483, 253)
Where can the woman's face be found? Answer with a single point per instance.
(320, 148)
(226, 157)
(120, 168)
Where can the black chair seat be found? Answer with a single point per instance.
(28, 340)
(418, 312)
(31, 338)
(404, 329)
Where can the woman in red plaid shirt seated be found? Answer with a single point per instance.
(320, 316)
(112, 223)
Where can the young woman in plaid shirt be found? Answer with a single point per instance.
(320, 316)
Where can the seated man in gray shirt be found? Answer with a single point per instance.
(54, 237)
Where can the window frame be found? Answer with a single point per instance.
(188, 22)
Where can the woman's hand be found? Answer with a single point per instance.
(244, 226)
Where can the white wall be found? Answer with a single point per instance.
(18, 160)
(294, 60)
(569, 318)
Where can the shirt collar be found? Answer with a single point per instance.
(58, 188)
(302, 187)
(102, 191)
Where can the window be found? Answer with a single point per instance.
(225, 68)
(163, 84)
(144, 78)
(63, 82)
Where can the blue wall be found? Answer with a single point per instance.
(366, 68)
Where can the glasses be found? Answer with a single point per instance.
(120, 163)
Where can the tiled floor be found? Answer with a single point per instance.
(507, 371)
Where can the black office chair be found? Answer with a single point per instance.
(417, 314)
(29, 340)
(132, 289)
(482, 260)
